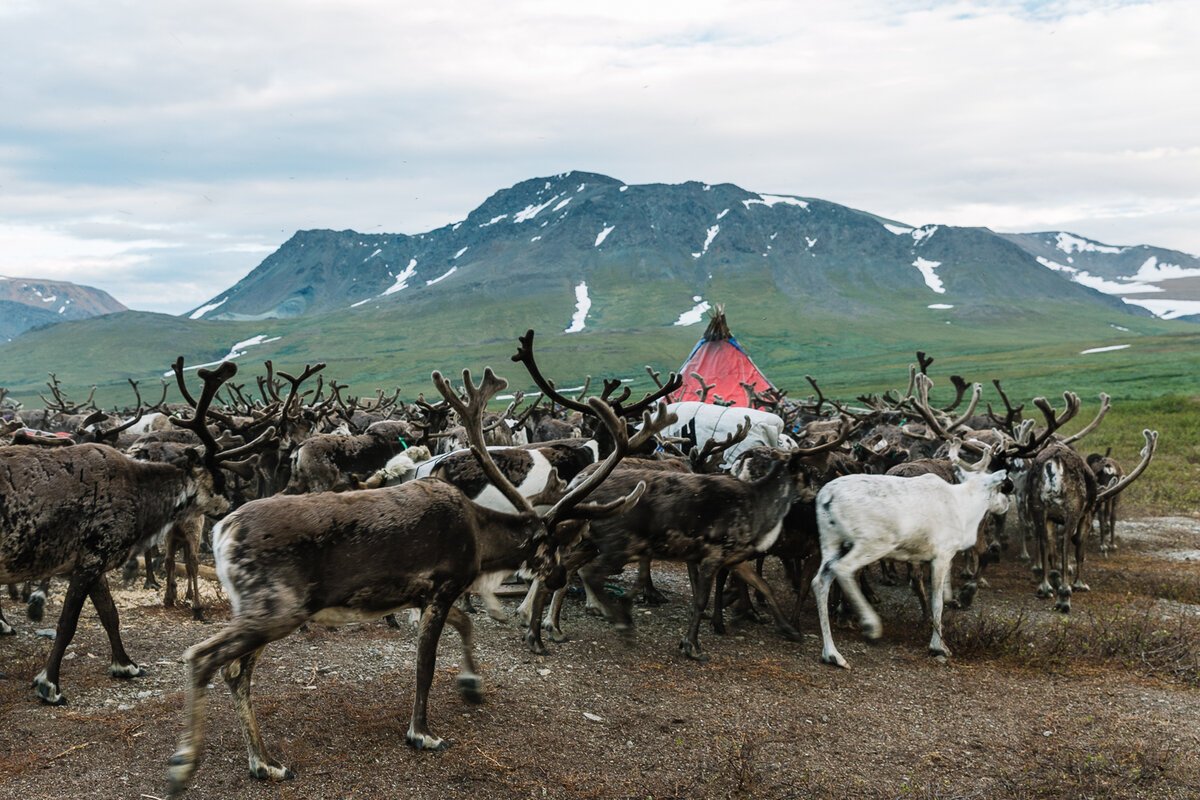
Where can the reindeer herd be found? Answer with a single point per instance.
(350, 509)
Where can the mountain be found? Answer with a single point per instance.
(1167, 282)
(615, 276)
(550, 235)
(30, 302)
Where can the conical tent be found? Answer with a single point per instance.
(719, 360)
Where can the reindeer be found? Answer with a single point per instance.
(80, 510)
(863, 518)
(358, 555)
(1062, 494)
(1106, 470)
(711, 522)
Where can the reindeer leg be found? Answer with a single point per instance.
(122, 665)
(237, 675)
(916, 580)
(150, 556)
(650, 595)
(705, 572)
(718, 612)
(1045, 548)
(35, 605)
(468, 683)
(169, 546)
(939, 578)
(1062, 584)
(5, 628)
(1080, 542)
(433, 618)
(240, 638)
(191, 554)
(747, 573)
(533, 633)
(820, 586)
(46, 681)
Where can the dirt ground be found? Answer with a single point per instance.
(606, 716)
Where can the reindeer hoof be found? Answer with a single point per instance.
(47, 692)
(179, 774)
(652, 597)
(6, 629)
(423, 741)
(835, 660)
(270, 772)
(1080, 587)
(126, 671)
(470, 688)
(1045, 591)
(35, 609)
(692, 651)
(534, 643)
(557, 636)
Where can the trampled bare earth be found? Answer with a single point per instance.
(1015, 714)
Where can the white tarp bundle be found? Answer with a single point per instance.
(717, 422)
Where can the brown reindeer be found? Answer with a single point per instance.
(79, 511)
(343, 557)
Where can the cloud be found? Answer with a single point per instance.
(158, 138)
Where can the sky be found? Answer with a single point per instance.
(161, 150)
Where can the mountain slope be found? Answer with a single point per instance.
(1167, 282)
(29, 302)
(549, 235)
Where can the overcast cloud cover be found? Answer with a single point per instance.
(160, 150)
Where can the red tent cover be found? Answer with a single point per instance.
(720, 360)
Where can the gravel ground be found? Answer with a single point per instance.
(607, 716)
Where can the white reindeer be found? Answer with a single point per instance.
(863, 518)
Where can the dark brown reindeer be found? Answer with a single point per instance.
(710, 522)
(1106, 470)
(343, 557)
(79, 511)
(1062, 494)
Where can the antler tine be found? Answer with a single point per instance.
(912, 377)
(623, 444)
(653, 373)
(704, 459)
(960, 388)
(674, 381)
(524, 355)
(976, 393)
(1053, 421)
(924, 361)
(921, 404)
(1146, 454)
(1105, 405)
(586, 383)
(197, 424)
(471, 415)
(652, 424)
(266, 437)
(845, 428)
(183, 390)
(610, 386)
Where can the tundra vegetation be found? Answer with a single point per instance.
(1028, 696)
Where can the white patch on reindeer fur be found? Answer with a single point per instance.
(533, 482)
(768, 540)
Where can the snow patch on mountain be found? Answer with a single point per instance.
(929, 273)
(583, 304)
(693, 315)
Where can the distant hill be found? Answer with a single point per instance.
(29, 302)
(1167, 282)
